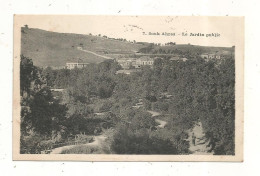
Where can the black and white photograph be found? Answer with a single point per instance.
(128, 88)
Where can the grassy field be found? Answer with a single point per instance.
(55, 49)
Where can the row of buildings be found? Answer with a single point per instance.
(210, 56)
(72, 65)
(134, 63)
(127, 63)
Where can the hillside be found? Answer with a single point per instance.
(47, 48)
(186, 49)
(55, 49)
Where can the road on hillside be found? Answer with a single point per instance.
(91, 52)
(200, 147)
(60, 149)
(154, 113)
(162, 123)
(96, 142)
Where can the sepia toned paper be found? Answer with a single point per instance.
(197, 31)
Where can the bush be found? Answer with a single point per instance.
(35, 144)
(127, 141)
(82, 149)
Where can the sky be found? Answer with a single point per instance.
(228, 29)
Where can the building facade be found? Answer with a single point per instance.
(72, 65)
(145, 60)
(128, 63)
(210, 56)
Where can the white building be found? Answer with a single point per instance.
(72, 65)
(210, 56)
(145, 60)
(126, 63)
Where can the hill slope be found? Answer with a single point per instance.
(55, 49)
(47, 48)
(187, 49)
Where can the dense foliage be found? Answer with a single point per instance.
(183, 92)
(41, 115)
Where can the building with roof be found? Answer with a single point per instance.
(145, 60)
(72, 65)
(126, 63)
(210, 56)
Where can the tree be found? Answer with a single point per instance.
(28, 74)
(41, 115)
(50, 76)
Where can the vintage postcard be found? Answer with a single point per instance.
(128, 88)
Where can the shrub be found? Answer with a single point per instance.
(82, 149)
